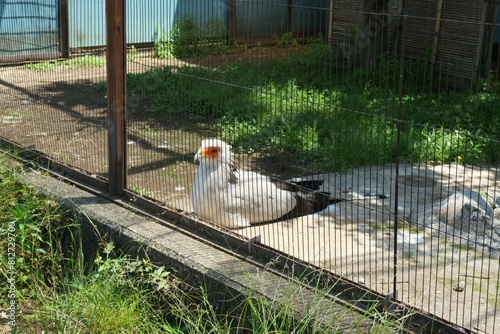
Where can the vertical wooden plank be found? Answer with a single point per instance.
(396, 275)
(116, 77)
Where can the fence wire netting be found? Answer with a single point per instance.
(392, 104)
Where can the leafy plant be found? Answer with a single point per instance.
(163, 47)
(119, 294)
(28, 236)
(187, 39)
(32, 228)
(286, 40)
(459, 146)
(132, 54)
(319, 39)
(215, 33)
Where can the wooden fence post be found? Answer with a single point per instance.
(116, 79)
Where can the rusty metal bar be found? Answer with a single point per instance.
(232, 19)
(395, 276)
(289, 15)
(116, 78)
(64, 28)
(437, 28)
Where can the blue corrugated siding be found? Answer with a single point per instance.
(87, 23)
(146, 19)
(28, 27)
(31, 26)
(268, 18)
(309, 16)
(261, 19)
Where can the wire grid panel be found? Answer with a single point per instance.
(55, 106)
(297, 108)
(306, 92)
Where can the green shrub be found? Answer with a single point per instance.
(286, 40)
(187, 40)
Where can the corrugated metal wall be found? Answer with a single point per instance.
(271, 17)
(81, 33)
(149, 19)
(32, 27)
(146, 19)
(266, 18)
(28, 27)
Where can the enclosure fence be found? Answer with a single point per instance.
(393, 105)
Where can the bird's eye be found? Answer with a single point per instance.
(212, 152)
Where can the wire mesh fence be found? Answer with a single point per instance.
(391, 104)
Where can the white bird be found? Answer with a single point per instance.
(235, 198)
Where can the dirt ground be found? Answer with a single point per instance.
(63, 112)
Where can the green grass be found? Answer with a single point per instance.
(305, 106)
(54, 290)
(117, 296)
(57, 292)
(33, 223)
(78, 62)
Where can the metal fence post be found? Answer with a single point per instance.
(232, 20)
(398, 150)
(116, 80)
(64, 28)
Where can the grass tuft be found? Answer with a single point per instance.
(78, 62)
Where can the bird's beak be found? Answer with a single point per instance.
(197, 156)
